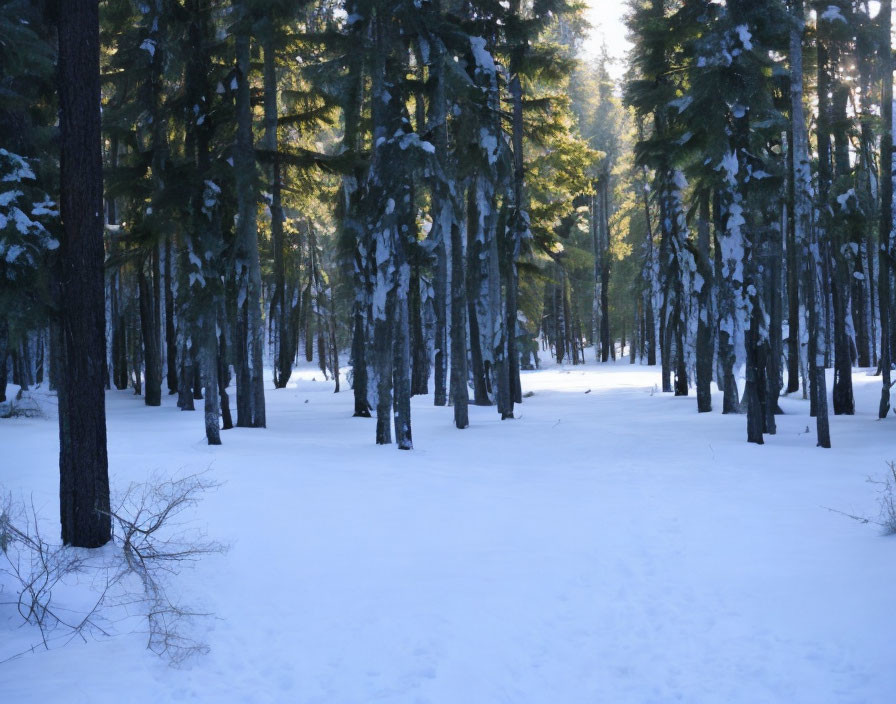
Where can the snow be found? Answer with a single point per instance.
(611, 546)
(843, 198)
(149, 45)
(832, 14)
(13, 252)
(45, 208)
(482, 56)
(743, 33)
(412, 139)
(729, 165)
(8, 197)
(681, 104)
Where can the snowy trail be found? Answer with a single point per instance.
(610, 546)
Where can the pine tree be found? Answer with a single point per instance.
(83, 464)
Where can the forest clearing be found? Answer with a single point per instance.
(604, 546)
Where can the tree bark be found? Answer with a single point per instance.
(4, 355)
(170, 329)
(152, 389)
(83, 463)
(460, 395)
(885, 223)
(705, 315)
(250, 337)
(279, 304)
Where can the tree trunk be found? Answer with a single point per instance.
(806, 232)
(705, 315)
(170, 330)
(152, 390)
(279, 304)
(830, 109)
(476, 296)
(885, 221)
(793, 276)
(4, 355)
(401, 366)
(440, 303)
(419, 355)
(223, 369)
(460, 395)
(83, 463)
(597, 298)
(210, 373)
(725, 315)
(250, 335)
(605, 343)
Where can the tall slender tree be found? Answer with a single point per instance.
(83, 462)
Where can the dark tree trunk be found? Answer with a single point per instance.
(383, 359)
(135, 344)
(152, 390)
(210, 372)
(830, 110)
(649, 336)
(774, 302)
(704, 299)
(815, 248)
(349, 210)
(517, 230)
(83, 463)
(650, 332)
(681, 370)
(793, 278)
(223, 370)
(440, 302)
(863, 279)
(597, 297)
(119, 337)
(170, 330)
(401, 365)
(280, 313)
(419, 353)
(4, 354)
(250, 404)
(359, 364)
(474, 294)
(460, 395)
(666, 323)
(754, 390)
(605, 270)
(197, 364)
(886, 206)
(859, 299)
(442, 213)
(334, 345)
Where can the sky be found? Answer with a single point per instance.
(608, 27)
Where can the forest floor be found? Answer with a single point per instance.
(610, 545)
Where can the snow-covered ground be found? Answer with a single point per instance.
(610, 546)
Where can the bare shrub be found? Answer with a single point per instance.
(37, 569)
(152, 541)
(886, 503)
(887, 500)
(155, 543)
